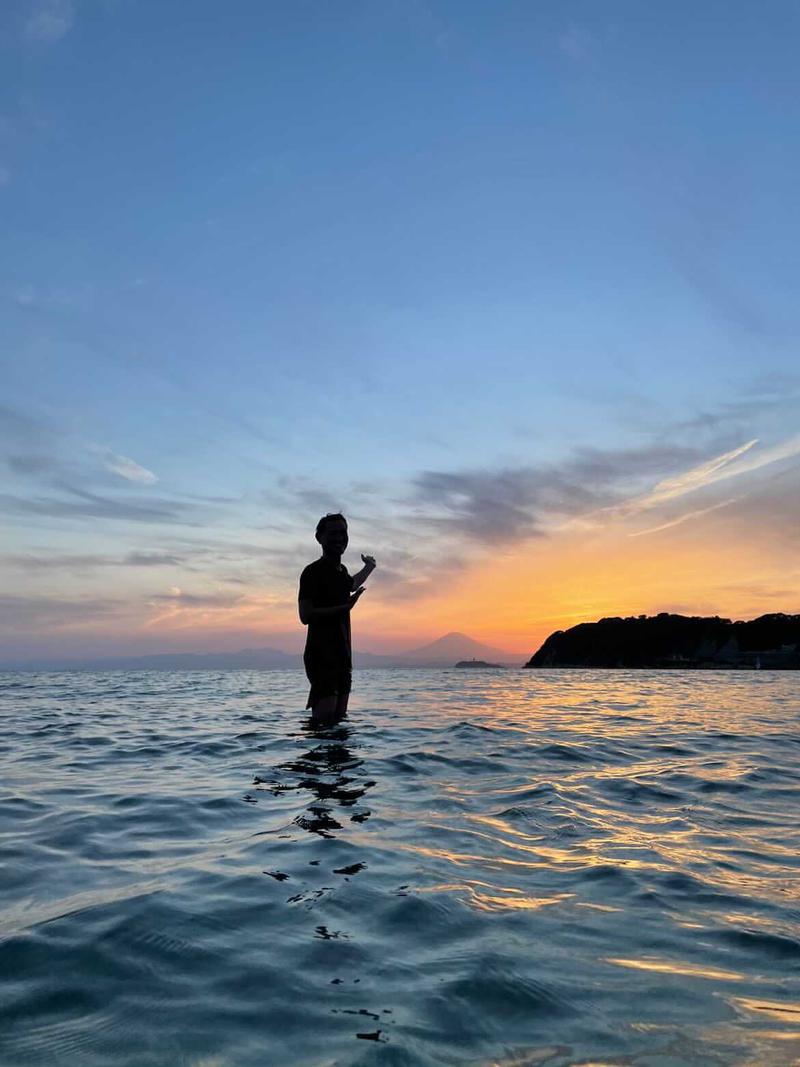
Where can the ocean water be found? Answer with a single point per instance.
(480, 868)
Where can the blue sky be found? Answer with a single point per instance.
(263, 259)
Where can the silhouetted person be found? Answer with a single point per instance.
(327, 596)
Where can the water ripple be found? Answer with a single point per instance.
(509, 868)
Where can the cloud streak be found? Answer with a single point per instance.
(681, 519)
(35, 614)
(89, 561)
(176, 596)
(82, 504)
(128, 469)
(690, 481)
(734, 464)
(184, 610)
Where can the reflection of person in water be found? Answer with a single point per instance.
(327, 595)
(330, 772)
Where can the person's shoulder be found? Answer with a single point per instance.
(311, 569)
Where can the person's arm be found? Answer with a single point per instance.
(364, 573)
(308, 613)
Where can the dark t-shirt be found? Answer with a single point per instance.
(328, 640)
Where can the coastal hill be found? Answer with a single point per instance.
(676, 641)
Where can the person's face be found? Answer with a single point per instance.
(333, 538)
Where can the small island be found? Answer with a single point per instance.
(468, 663)
(676, 642)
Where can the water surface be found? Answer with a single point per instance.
(478, 868)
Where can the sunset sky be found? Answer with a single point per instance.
(512, 284)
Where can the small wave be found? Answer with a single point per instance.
(573, 753)
(638, 792)
(773, 946)
(505, 993)
(467, 727)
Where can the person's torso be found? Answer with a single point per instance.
(329, 585)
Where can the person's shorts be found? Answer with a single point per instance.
(327, 682)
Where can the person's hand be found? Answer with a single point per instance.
(370, 561)
(354, 598)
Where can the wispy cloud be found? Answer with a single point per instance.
(39, 446)
(128, 469)
(62, 476)
(35, 614)
(405, 577)
(736, 462)
(180, 609)
(32, 464)
(681, 519)
(153, 559)
(739, 461)
(704, 474)
(28, 443)
(49, 20)
(18, 429)
(80, 503)
(176, 596)
(777, 453)
(509, 505)
(79, 562)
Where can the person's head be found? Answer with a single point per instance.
(332, 534)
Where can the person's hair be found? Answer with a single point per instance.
(332, 517)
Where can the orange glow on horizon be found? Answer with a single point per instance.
(515, 601)
(511, 599)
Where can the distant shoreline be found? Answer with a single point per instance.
(510, 667)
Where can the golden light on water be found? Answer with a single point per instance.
(487, 897)
(672, 967)
(783, 1010)
(588, 841)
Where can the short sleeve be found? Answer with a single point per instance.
(308, 585)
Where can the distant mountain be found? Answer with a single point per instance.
(443, 652)
(676, 641)
(455, 646)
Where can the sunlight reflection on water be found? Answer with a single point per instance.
(553, 867)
